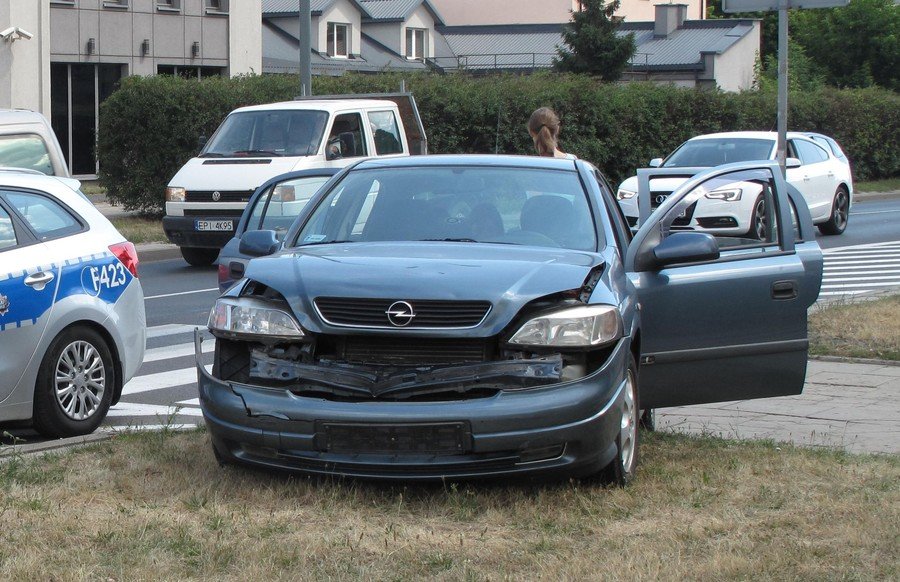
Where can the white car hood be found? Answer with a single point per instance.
(235, 173)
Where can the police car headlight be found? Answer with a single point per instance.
(625, 194)
(729, 195)
(591, 325)
(246, 316)
(175, 194)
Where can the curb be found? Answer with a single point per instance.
(152, 252)
(848, 360)
(13, 451)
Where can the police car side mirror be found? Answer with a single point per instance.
(259, 243)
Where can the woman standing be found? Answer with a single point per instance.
(543, 127)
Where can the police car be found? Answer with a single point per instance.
(72, 324)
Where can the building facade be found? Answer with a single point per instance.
(76, 51)
(483, 12)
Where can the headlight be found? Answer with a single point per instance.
(252, 317)
(729, 195)
(625, 194)
(591, 325)
(175, 194)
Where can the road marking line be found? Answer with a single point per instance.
(169, 379)
(170, 329)
(160, 410)
(181, 293)
(843, 285)
(142, 427)
(191, 402)
(176, 351)
(879, 278)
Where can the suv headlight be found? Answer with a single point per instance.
(729, 195)
(625, 194)
(247, 316)
(175, 194)
(591, 325)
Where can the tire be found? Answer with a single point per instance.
(621, 469)
(758, 220)
(840, 213)
(199, 257)
(75, 384)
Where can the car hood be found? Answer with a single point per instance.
(507, 276)
(234, 173)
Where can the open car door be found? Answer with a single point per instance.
(724, 317)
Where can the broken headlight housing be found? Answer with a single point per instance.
(587, 326)
(252, 317)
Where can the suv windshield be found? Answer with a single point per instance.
(267, 134)
(701, 153)
(25, 151)
(546, 208)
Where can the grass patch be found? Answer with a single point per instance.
(140, 229)
(701, 508)
(865, 329)
(888, 185)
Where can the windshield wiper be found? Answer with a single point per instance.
(325, 242)
(449, 240)
(257, 153)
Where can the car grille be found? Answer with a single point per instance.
(412, 350)
(224, 195)
(428, 313)
(217, 212)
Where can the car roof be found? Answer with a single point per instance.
(13, 116)
(330, 105)
(487, 160)
(24, 178)
(772, 135)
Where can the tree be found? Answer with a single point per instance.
(593, 45)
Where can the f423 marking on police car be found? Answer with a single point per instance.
(95, 278)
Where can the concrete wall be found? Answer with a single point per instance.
(733, 70)
(342, 12)
(462, 12)
(245, 37)
(24, 82)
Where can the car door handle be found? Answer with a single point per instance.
(806, 178)
(38, 280)
(782, 290)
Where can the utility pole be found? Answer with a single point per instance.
(305, 48)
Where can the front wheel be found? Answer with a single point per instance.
(75, 384)
(199, 257)
(840, 213)
(758, 220)
(621, 469)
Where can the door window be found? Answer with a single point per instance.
(346, 139)
(45, 217)
(386, 132)
(277, 208)
(737, 208)
(809, 152)
(7, 232)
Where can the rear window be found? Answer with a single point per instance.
(25, 151)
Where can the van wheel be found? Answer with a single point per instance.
(75, 384)
(199, 257)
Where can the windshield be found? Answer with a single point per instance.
(703, 153)
(546, 208)
(268, 134)
(25, 151)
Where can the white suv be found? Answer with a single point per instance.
(72, 324)
(821, 174)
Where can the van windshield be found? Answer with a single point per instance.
(25, 151)
(267, 134)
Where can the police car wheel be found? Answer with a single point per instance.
(75, 384)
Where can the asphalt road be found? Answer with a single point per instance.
(872, 220)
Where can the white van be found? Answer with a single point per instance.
(27, 141)
(205, 199)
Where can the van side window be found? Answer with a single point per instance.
(346, 139)
(25, 151)
(386, 133)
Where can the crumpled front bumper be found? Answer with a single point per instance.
(567, 428)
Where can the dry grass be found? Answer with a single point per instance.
(867, 329)
(156, 506)
(139, 229)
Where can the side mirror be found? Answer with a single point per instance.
(259, 243)
(656, 162)
(792, 163)
(686, 247)
(201, 141)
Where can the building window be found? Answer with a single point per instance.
(415, 44)
(115, 3)
(63, 2)
(168, 5)
(338, 45)
(216, 6)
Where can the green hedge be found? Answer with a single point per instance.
(150, 126)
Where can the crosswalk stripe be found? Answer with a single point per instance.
(879, 278)
(162, 411)
(169, 329)
(176, 351)
(148, 382)
(873, 284)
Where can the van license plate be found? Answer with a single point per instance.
(214, 225)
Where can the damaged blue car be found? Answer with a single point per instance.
(458, 317)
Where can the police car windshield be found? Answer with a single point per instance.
(267, 134)
(703, 153)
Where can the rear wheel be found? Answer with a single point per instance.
(621, 469)
(840, 213)
(758, 220)
(199, 257)
(75, 384)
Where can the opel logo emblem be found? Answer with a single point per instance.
(217, 196)
(661, 198)
(400, 313)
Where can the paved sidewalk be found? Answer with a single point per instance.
(855, 407)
